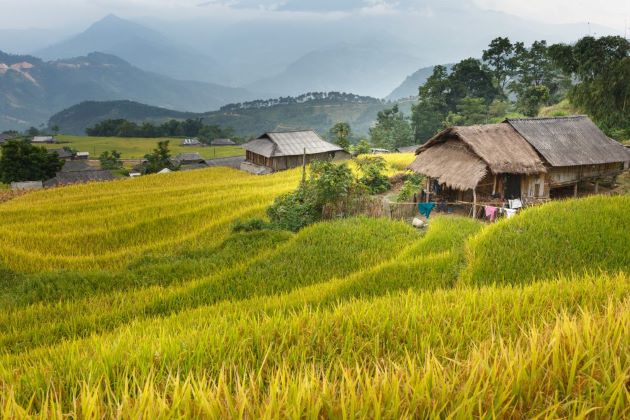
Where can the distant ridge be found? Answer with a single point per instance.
(315, 110)
(32, 89)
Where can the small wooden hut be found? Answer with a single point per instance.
(526, 159)
(277, 151)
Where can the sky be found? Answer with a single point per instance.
(23, 14)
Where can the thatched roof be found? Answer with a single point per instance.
(291, 143)
(502, 148)
(452, 163)
(569, 141)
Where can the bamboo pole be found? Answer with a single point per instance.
(474, 209)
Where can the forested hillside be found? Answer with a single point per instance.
(316, 110)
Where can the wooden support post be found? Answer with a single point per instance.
(494, 185)
(474, 209)
(596, 187)
(428, 190)
(575, 190)
(304, 166)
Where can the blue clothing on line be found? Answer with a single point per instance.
(425, 209)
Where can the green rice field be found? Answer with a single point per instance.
(133, 299)
(136, 148)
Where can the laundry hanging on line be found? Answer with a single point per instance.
(515, 204)
(425, 209)
(509, 213)
(491, 212)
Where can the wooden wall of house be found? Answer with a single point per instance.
(562, 176)
(281, 163)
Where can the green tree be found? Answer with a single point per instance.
(110, 160)
(159, 159)
(601, 67)
(32, 132)
(534, 69)
(499, 57)
(392, 130)
(469, 111)
(362, 147)
(55, 129)
(21, 161)
(341, 134)
(470, 79)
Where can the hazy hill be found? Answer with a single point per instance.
(31, 90)
(141, 46)
(318, 111)
(410, 85)
(343, 67)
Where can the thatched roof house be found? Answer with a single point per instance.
(460, 157)
(276, 151)
(519, 158)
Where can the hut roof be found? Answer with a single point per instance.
(184, 158)
(65, 178)
(222, 142)
(62, 153)
(569, 141)
(76, 166)
(498, 145)
(291, 143)
(451, 163)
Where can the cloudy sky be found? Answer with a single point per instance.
(53, 13)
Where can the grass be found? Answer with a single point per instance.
(133, 299)
(563, 237)
(136, 148)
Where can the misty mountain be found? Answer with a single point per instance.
(409, 88)
(143, 47)
(31, 90)
(351, 68)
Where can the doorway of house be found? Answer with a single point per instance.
(512, 186)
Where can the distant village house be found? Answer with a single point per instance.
(43, 140)
(277, 151)
(222, 142)
(191, 142)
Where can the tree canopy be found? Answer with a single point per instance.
(21, 161)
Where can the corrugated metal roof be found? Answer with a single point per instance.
(291, 143)
(570, 141)
(64, 178)
(222, 142)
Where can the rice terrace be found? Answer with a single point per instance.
(307, 209)
(133, 298)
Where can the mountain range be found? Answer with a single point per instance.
(203, 63)
(31, 90)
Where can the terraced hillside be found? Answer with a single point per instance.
(133, 299)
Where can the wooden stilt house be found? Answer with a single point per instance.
(527, 159)
(277, 151)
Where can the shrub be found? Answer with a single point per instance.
(250, 225)
(412, 184)
(374, 176)
(293, 211)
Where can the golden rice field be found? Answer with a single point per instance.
(132, 299)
